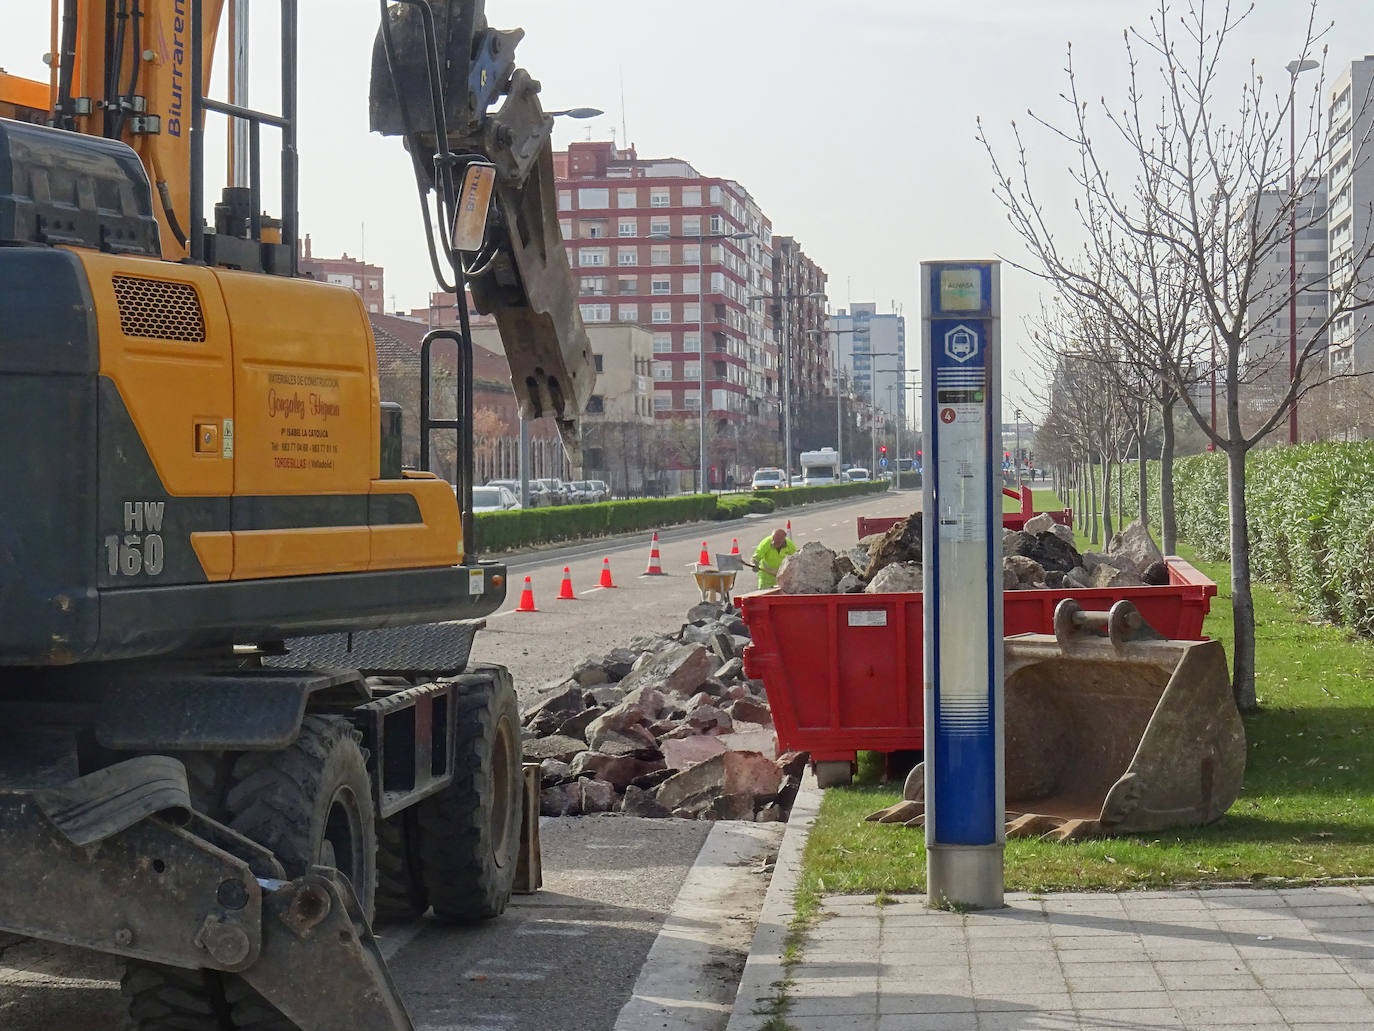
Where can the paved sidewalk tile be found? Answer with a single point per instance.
(1223, 960)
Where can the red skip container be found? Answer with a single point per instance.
(844, 672)
(1010, 520)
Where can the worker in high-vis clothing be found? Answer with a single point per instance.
(768, 557)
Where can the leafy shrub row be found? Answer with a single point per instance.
(510, 531)
(1311, 510)
(789, 496)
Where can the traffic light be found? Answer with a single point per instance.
(882, 449)
(1006, 456)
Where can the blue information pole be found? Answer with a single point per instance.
(962, 548)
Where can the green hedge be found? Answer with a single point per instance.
(1310, 509)
(508, 531)
(789, 496)
(733, 506)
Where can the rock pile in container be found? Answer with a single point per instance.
(1040, 556)
(667, 726)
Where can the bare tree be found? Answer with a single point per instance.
(1215, 194)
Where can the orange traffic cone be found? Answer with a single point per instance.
(565, 591)
(526, 599)
(705, 558)
(655, 566)
(606, 573)
(734, 545)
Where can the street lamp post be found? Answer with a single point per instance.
(703, 484)
(1016, 412)
(839, 396)
(1295, 68)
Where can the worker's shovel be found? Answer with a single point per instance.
(732, 563)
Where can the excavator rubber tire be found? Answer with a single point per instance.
(401, 891)
(470, 832)
(284, 800)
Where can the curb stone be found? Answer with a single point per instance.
(764, 966)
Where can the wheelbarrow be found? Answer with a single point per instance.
(716, 582)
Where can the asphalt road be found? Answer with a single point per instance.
(541, 648)
(568, 956)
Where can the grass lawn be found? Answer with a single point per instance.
(1306, 811)
(1044, 497)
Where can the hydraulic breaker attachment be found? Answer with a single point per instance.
(1110, 729)
(117, 862)
(438, 70)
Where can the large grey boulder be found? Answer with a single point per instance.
(1038, 524)
(1108, 576)
(555, 746)
(676, 670)
(618, 770)
(808, 571)
(897, 578)
(1064, 533)
(1135, 544)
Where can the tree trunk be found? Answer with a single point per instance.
(1120, 492)
(1106, 500)
(1092, 501)
(1142, 473)
(1167, 519)
(1242, 599)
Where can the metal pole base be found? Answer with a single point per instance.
(964, 876)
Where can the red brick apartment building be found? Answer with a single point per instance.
(651, 239)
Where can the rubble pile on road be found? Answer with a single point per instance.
(1040, 556)
(667, 726)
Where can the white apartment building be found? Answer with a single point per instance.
(1267, 339)
(872, 351)
(1351, 192)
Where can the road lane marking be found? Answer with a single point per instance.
(552, 927)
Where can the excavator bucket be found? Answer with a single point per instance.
(1111, 729)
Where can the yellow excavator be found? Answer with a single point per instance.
(237, 717)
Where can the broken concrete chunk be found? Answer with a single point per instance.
(808, 571)
(679, 669)
(688, 751)
(555, 746)
(618, 770)
(727, 773)
(1038, 524)
(901, 543)
(898, 578)
(1135, 544)
(639, 802)
(850, 583)
(598, 796)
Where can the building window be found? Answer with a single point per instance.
(661, 256)
(593, 230)
(691, 312)
(625, 313)
(662, 285)
(629, 285)
(663, 341)
(691, 225)
(589, 257)
(691, 196)
(662, 402)
(596, 313)
(691, 400)
(590, 199)
(691, 370)
(627, 256)
(565, 200)
(566, 228)
(717, 224)
(629, 227)
(663, 370)
(691, 255)
(596, 405)
(659, 226)
(659, 198)
(594, 286)
(663, 313)
(596, 359)
(627, 198)
(691, 284)
(691, 341)
(717, 282)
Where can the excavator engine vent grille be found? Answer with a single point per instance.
(158, 309)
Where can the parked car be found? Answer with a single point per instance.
(554, 488)
(539, 495)
(492, 498)
(769, 479)
(603, 487)
(589, 490)
(855, 475)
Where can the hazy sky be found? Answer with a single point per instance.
(852, 124)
